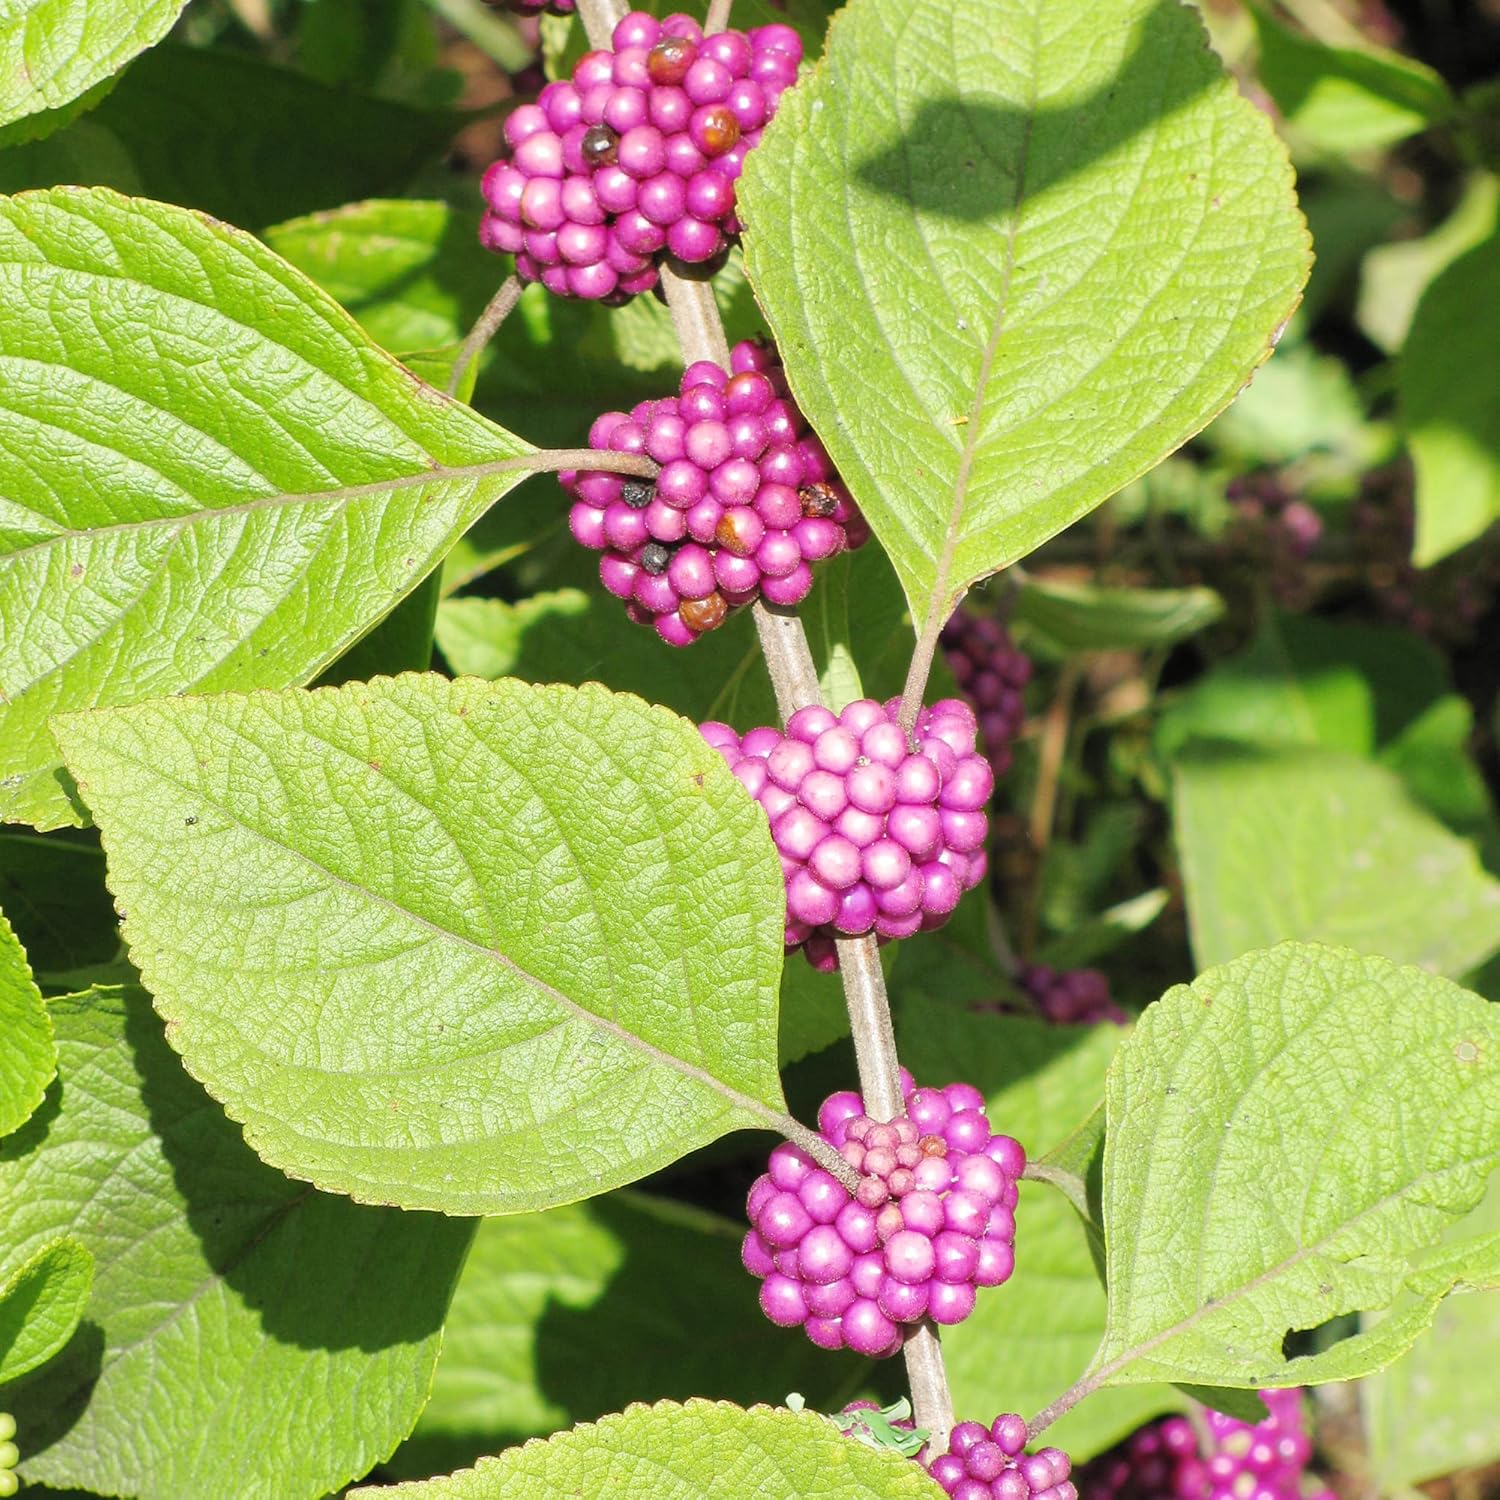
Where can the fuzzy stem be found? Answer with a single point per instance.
(486, 326)
(921, 668)
(820, 1150)
(550, 460)
(700, 332)
(717, 18)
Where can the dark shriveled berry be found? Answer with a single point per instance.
(819, 501)
(655, 557)
(599, 146)
(637, 493)
(704, 614)
(669, 60)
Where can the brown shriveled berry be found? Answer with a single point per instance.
(655, 557)
(819, 500)
(721, 130)
(932, 1145)
(669, 60)
(704, 614)
(598, 146)
(733, 532)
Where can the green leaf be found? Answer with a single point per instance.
(535, 955)
(41, 1304)
(1073, 617)
(668, 1452)
(1028, 1340)
(244, 140)
(402, 642)
(1313, 844)
(245, 1335)
(28, 1058)
(564, 1316)
(1432, 757)
(45, 122)
(1453, 421)
(1285, 1138)
(1339, 99)
(256, 484)
(52, 888)
(52, 50)
(961, 191)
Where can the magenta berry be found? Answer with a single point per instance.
(1163, 1460)
(930, 1222)
(993, 674)
(637, 154)
(856, 816)
(711, 534)
(1070, 996)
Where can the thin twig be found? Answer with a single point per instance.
(486, 326)
(717, 18)
(550, 460)
(921, 668)
(819, 1149)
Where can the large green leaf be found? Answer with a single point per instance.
(468, 946)
(668, 1452)
(1072, 617)
(1450, 400)
(238, 138)
(564, 1316)
(28, 1058)
(1014, 253)
(197, 448)
(246, 1335)
(52, 50)
(1028, 1340)
(1315, 844)
(1339, 99)
(41, 1304)
(1287, 1137)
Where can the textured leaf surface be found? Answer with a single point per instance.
(246, 1335)
(1029, 1340)
(469, 946)
(1286, 1138)
(1313, 844)
(1453, 424)
(28, 1058)
(1086, 617)
(52, 50)
(211, 478)
(1340, 99)
(564, 1316)
(1433, 1411)
(668, 1452)
(236, 137)
(41, 1304)
(1014, 254)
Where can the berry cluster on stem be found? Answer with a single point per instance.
(993, 672)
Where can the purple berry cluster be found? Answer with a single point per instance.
(993, 673)
(746, 500)
(874, 835)
(932, 1220)
(638, 154)
(1276, 533)
(1163, 1461)
(989, 1463)
(1070, 997)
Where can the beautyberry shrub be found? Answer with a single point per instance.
(874, 835)
(932, 1220)
(746, 499)
(993, 672)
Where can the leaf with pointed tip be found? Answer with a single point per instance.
(245, 1335)
(1014, 254)
(670, 1452)
(253, 483)
(28, 1058)
(457, 945)
(1288, 1138)
(563, 1316)
(1318, 845)
(41, 1305)
(52, 50)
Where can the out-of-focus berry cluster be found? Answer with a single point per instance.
(1275, 533)
(932, 1220)
(993, 673)
(874, 836)
(745, 502)
(1070, 997)
(637, 155)
(1164, 1461)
